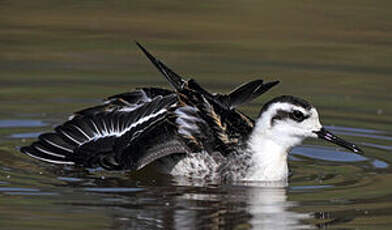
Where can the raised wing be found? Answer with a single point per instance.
(113, 139)
(246, 93)
(174, 79)
(239, 96)
(224, 128)
(128, 101)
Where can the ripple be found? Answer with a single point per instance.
(25, 191)
(380, 164)
(377, 146)
(15, 189)
(327, 154)
(113, 189)
(32, 193)
(22, 123)
(379, 137)
(357, 132)
(25, 135)
(69, 179)
(309, 187)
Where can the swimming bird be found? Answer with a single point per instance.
(186, 131)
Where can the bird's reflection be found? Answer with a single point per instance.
(257, 205)
(270, 209)
(195, 205)
(192, 204)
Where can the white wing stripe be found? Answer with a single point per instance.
(59, 146)
(80, 130)
(49, 153)
(95, 126)
(71, 138)
(105, 129)
(118, 133)
(112, 129)
(50, 161)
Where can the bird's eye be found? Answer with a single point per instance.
(297, 115)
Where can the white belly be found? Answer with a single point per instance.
(198, 165)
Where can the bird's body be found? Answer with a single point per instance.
(186, 131)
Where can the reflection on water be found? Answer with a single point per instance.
(255, 205)
(148, 200)
(323, 178)
(327, 154)
(21, 123)
(25, 135)
(270, 209)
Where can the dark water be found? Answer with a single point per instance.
(57, 57)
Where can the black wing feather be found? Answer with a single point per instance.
(37, 151)
(157, 141)
(57, 142)
(141, 95)
(241, 95)
(94, 140)
(125, 101)
(174, 79)
(245, 93)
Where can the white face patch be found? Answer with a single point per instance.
(277, 130)
(313, 122)
(286, 129)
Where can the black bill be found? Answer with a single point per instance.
(326, 135)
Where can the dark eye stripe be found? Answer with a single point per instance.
(298, 116)
(280, 115)
(295, 115)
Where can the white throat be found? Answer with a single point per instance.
(268, 161)
(269, 147)
(273, 136)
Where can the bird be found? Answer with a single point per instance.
(186, 131)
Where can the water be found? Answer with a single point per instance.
(59, 57)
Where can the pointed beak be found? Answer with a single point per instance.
(326, 135)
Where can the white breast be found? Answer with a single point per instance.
(197, 165)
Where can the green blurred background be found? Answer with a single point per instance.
(55, 55)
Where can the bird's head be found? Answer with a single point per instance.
(289, 120)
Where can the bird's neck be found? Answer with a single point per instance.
(268, 157)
